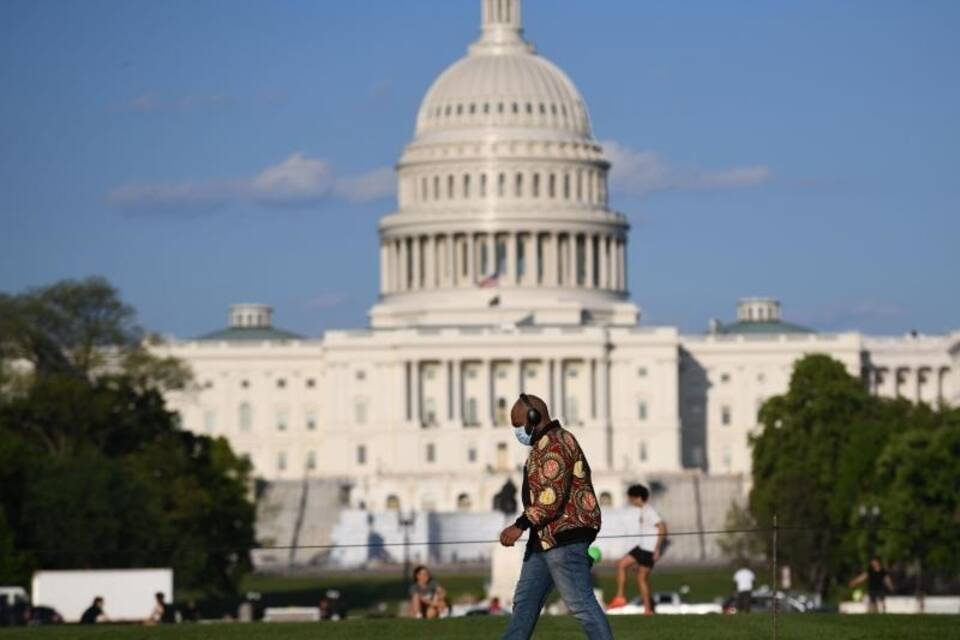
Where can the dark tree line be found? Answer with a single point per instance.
(850, 475)
(94, 470)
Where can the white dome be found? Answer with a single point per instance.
(518, 89)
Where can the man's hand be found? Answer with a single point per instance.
(510, 535)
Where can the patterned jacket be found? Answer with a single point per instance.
(559, 503)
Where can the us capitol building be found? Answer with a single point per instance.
(503, 270)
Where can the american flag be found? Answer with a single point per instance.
(490, 281)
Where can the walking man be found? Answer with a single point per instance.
(562, 516)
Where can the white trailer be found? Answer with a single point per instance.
(128, 594)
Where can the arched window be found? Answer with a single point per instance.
(393, 503)
(483, 185)
(449, 187)
(436, 187)
(501, 411)
(516, 108)
(566, 186)
(463, 502)
(423, 190)
(536, 185)
(245, 417)
(579, 186)
(606, 500)
(501, 185)
(552, 186)
(518, 186)
(466, 185)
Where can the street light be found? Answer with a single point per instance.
(869, 518)
(406, 523)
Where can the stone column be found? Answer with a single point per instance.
(530, 259)
(416, 263)
(402, 271)
(451, 272)
(623, 262)
(603, 263)
(588, 260)
(384, 272)
(572, 239)
(430, 264)
(511, 275)
(487, 411)
(458, 392)
(471, 258)
(491, 254)
(415, 392)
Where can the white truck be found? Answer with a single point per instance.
(128, 594)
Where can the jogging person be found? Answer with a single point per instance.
(562, 515)
(653, 531)
(878, 583)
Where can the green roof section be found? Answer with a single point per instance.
(753, 327)
(250, 334)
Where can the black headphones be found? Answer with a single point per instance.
(533, 416)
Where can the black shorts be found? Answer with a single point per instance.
(643, 558)
(876, 596)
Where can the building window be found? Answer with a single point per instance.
(642, 372)
(450, 187)
(431, 453)
(393, 503)
(536, 185)
(209, 420)
(282, 418)
(724, 378)
(208, 384)
(463, 502)
(501, 411)
(572, 372)
(531, 372)
(518, 186)
(572, 410)
(429, 412)
(566, 186)
(470, 413)
(282, 461)
(725, 416)
(642, 410)
(311, 420)
(361, 375)
(466, 185)
(311, 460)
(762, 377)
(606, 499)
(501, 185)
(503, 458)
(281, 383)
(361, 454)
(643, 452)
(311, 383)
(483, 185)
(472, 454)
(360, 411)
(246, 417)
(245, 384)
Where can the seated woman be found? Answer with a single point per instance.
(427, 598)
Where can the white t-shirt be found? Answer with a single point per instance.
(649, 519)
(744, 579)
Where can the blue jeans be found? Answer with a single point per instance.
(568, 569)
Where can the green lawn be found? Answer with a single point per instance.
(363, 591)
(755, 627)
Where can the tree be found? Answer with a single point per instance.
(810, 463)
(919, 480)
(741, 545)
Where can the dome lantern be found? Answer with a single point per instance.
(502, 28)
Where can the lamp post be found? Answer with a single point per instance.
(406, 523)
(869, 518)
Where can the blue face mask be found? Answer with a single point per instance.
(523, 437)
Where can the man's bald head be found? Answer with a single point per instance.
(518, 414)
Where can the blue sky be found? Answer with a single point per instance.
(804, 150)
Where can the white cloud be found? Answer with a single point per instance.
(298, 180)
(643, 172)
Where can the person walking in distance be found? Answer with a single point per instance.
(744, 578)
(653, 531)
(562, 516)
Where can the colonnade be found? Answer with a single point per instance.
(917, 384)
(513, 258)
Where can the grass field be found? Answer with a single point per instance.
(364, 591)
(756, 627)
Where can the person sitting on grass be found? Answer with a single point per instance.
(427, 598)
(653, 531)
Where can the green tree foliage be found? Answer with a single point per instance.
(828, 448)
(919, 478)
(94, 471)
